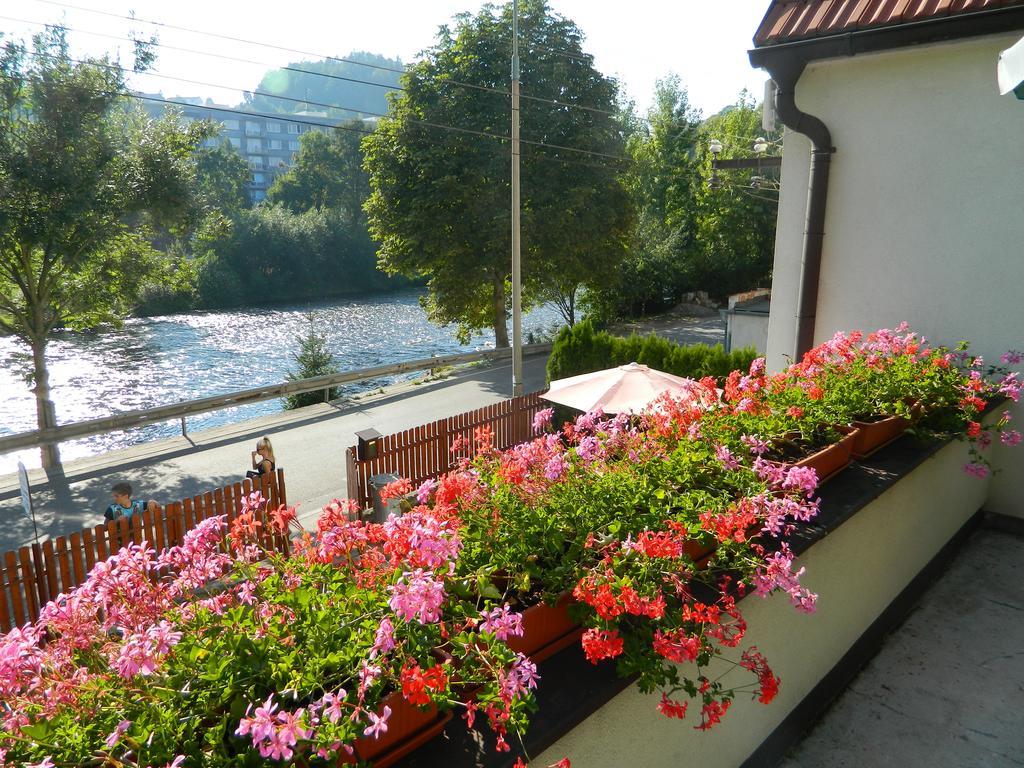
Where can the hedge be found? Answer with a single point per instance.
(581, 349)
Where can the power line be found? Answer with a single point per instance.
(274, 46)
(290, 68)
(446, 81)
(424, 123)
(352, 129)
(223, 56)
(299, 70)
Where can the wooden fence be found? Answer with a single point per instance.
(32, 576)
(424, 452)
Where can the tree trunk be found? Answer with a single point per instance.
(500, 328)
(46, 416)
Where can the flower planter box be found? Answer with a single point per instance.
(873, 435)
(834, 458)
(409, 728)
(699, 553)
(547, 629)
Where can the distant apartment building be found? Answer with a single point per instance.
(269, 141)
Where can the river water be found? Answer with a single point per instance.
(161, 360)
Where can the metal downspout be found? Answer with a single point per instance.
(786, 75)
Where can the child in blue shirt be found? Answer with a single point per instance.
(124, 505)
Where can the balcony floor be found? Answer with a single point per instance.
(947, 688)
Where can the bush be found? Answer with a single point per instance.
(581, 349)
(313, 359)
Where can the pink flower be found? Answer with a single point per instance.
(331, 703)
(424, 492)
(47, 762)
(542, 419)
(417, 596)
(261, 724)
(115, 735)
(588, 449)
(367, 675)
(1012, 357)
(135, 657)
(1010, 437)
(378, 724)
(756, 445)
(769, 471)
(778, 574)
(976, 469)
(804, 479)
(163, 637)
(726, 457)
(1010, 386)
(384, 640)
(555, 467)
(503, 623)
(519, 679)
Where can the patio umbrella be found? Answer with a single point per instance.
(1010, 70)
(626, 389)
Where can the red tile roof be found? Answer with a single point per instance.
(789, 20)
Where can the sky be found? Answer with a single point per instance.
(703, 41)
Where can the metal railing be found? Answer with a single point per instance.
(162, 413)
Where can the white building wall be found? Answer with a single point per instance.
(747, 331)
(925, 215)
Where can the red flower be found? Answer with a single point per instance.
(701, 614)
(815, 392)
(675, 645)
(396, 489)
(795, 411)
(756, 663)
(711, 714)
(281, 518)
(660, 544)
(416, 683)
(601, 644)
(973, 429)
(672, 708)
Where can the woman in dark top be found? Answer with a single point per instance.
(262, 459)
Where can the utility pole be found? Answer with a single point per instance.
(517, 289)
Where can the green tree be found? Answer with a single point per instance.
(662, 183)
(735, 222)
(80, 176)
(313, 359)
(271, 254)
(222, 178)
(328, 173)
(439, 205)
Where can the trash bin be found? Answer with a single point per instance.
(382, 510)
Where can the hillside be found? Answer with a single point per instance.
(337, 88)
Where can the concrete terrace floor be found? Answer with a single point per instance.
(947, 688)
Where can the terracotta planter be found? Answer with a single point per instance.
(873, 435)
(547, 629)
(832, 458)
(409, 727)
(699, 553)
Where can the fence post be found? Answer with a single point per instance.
(184, 427)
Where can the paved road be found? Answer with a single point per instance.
(309, 443)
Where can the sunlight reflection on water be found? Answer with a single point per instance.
(161, 360)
